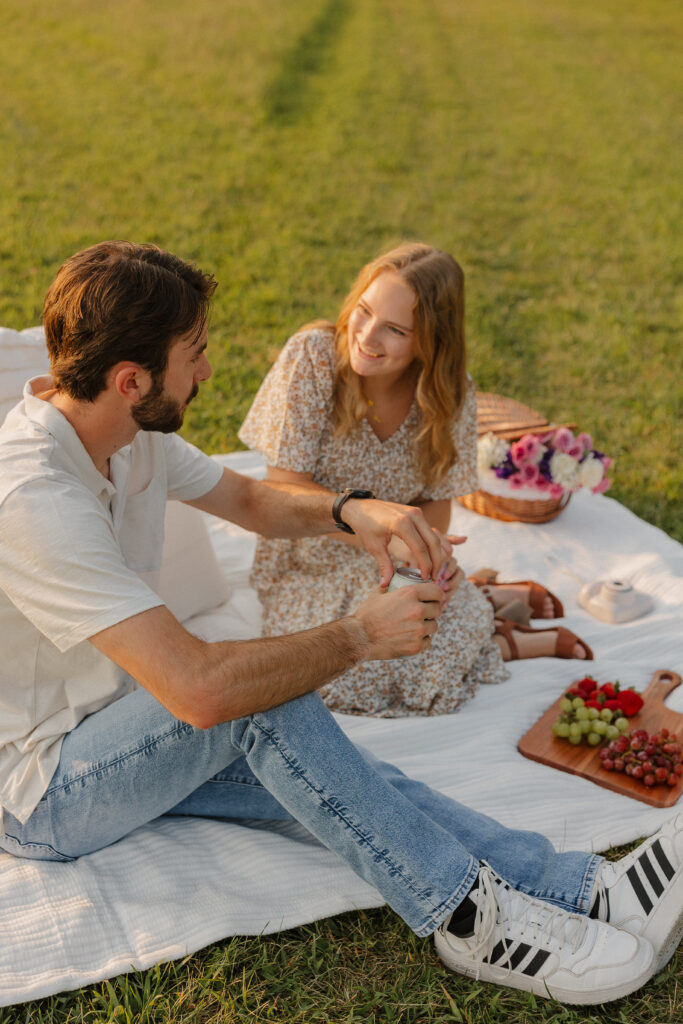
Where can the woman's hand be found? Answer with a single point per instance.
(450, 575)
(450, 578)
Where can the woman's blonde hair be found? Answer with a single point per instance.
(439, 332)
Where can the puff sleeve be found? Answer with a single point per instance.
(292, 405)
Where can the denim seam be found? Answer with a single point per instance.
(63, 857)
(589, 883)
(380, 856)
(178, 728)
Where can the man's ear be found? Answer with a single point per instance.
(130, 381)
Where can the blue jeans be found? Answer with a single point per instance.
(133, 761)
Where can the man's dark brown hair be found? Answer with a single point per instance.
(115, 302)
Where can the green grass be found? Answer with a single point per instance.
(281, 144)
(365, 968)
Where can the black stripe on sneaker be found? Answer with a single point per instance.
(594, 911)
(499, 950)
(664, 862)
(519, 954)
(534, 966)
(639, 889)
(652, 876)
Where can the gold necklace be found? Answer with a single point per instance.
(371, 404)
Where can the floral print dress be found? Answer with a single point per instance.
(304, 583)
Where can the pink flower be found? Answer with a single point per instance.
(586, 441)
(517, 454)
(603, 486)
(515, 482)
(563, 439)
(575, 450)
(542, 484)
(556, 490)
(527, 450)
(529, 474)
(607, 461)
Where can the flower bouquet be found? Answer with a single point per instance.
(532, 479)
(549, 465)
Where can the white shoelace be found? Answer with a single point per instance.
(542, 924)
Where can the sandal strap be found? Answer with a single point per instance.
(504, 628)
(537, 595)
(566, 642)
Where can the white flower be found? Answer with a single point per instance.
(591, 472)
(564, 470)
(491, 451)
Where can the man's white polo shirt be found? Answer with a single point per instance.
(78, 553)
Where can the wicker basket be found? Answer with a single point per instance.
(510, 420)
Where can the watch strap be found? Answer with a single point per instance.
(340, 501)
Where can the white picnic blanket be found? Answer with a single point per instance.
(175, 886)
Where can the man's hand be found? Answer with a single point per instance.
(376, 522)
(400, 623)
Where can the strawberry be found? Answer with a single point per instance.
(609, 690)
(631, 702)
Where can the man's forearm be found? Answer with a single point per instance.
(247, 676)
(273, 509)
(292, 509)
(208, 683)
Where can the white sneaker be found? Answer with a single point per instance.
(643, 892)
(531, 945)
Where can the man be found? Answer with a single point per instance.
(113, 714)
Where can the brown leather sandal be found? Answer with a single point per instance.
(487, 578)
(564, 643)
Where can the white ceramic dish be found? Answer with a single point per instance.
(614, 601)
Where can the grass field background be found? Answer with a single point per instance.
(281, 144)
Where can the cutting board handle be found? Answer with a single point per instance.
(661, 685)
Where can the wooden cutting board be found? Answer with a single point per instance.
(539, 744)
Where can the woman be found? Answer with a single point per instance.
(382, 401)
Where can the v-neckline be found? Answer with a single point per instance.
(394, 433)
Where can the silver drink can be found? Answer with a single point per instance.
(404, 577)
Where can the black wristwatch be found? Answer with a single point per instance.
(350, 492)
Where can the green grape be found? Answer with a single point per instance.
(578, 702)
(600, 727)
(612, 732)
(575, 730)
(621, 724)
(556, 726)
(594, 738)
(586, 726)
(565, 704)
(562, 730)
(606, 715)
(582, 713)
(593, 713)
(575, 740)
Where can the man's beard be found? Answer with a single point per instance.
(157, 411)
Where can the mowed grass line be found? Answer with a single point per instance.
(282, 144)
